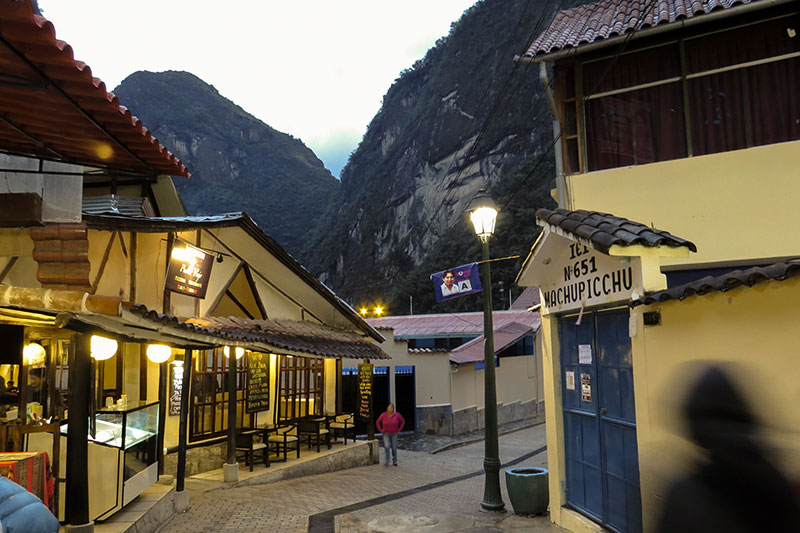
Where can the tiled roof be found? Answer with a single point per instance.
(294, 335)
(610, 18)
(447, 323)
(52, 107)
(505, 336)
(604, 230)
(723, 283)
(61, 252)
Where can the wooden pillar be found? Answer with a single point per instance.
(77, 497)
(188, 366)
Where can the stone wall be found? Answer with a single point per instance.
(442, 420)
(198, 460)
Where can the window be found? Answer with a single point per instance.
(721, 91)
(301, 387)
(209, 400)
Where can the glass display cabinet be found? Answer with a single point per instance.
(123, 459)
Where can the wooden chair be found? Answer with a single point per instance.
(314, 428)
(247, 445)
(18, 434)
(284, 438)
(342, 424)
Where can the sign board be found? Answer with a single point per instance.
(189, 270)
(585, 354)
(455, 282)
(578, 276)
(257, 382)
(175, 388)
(365, 391)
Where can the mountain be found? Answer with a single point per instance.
(238, 163)
(464, 117)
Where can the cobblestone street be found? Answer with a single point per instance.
(420, 494)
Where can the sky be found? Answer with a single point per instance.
(315, 69)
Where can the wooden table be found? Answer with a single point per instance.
(30, 470)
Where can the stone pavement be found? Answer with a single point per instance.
(436, 493)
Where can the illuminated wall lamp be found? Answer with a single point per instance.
(33, 354)
(239, 351)
(158, 353)
(102, 348)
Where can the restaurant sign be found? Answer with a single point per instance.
(578, 276)
(189, 270)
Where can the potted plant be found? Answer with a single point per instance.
(527, 490)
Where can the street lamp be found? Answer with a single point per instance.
(483, 213)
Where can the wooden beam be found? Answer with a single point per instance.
(259, 303)
(103, 262)
(165, 306)
(6, 269)
(132, 295)
(215, 303)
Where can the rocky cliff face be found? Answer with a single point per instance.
(238, 163)
(463, 118)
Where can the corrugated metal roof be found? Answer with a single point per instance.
(604, 230)
(51, 106)
(504, 336)
(117, 205)
(610, 18)
(529, 297)
(723, 283)
(453, 324)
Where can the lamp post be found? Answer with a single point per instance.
(483, 213)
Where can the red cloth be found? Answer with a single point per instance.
(390, 424)
(30, 470)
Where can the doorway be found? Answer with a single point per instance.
(601, 454)
(405, 392)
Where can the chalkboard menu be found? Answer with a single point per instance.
(365, 390)
(257, 382)
(175, 389)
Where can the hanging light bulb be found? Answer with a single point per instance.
(158, 353)
(33, 354)
(102, 348)
(239, 351)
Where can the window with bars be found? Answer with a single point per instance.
(209, 400)
(301, 387)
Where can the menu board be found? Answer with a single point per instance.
(365, 390)
(257, 382)
(175, 389)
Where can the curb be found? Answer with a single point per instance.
(467, 442)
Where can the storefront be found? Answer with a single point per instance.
(589, 266)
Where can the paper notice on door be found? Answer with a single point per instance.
(570, 380)
(586, 388)
(585, 354)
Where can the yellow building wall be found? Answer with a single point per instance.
(706, 199)
(517, 381)
(749, 328)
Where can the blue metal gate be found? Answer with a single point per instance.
(602, 461)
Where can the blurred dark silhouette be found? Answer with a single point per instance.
(736, 488)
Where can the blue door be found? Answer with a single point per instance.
(602, 461)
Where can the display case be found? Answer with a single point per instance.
(123, 459)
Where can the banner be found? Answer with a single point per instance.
(455, 282)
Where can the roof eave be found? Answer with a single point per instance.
(581, 49)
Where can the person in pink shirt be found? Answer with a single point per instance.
(390, 423)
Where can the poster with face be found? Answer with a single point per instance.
(455, 282)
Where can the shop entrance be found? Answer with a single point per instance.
(406, 395)
(601, 455)
(380, 394)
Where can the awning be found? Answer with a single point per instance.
(52, 108)
(723, 283)
(291, 337)
(505, 336)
